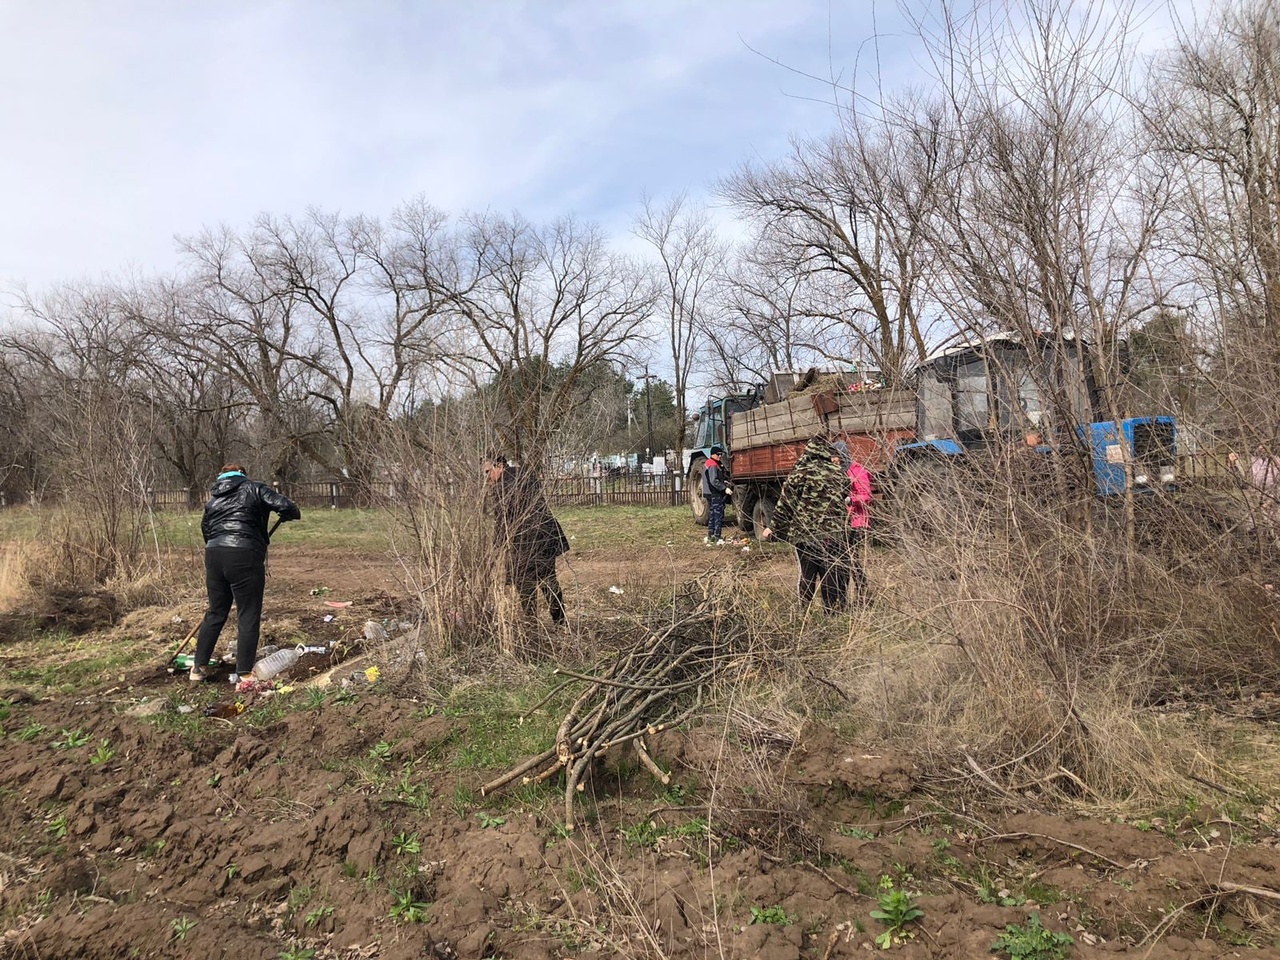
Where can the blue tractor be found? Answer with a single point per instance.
(713, 429)
(1004, 390)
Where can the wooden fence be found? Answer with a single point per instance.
(628, 489)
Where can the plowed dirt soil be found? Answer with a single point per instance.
(351, 825)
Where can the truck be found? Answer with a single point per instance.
(764, 437)
(958, 401)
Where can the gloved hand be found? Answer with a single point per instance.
(728, 489)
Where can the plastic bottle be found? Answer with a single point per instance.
(278, 662)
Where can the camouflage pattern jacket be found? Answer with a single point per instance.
(814, 503)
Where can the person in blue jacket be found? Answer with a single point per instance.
(715, 489)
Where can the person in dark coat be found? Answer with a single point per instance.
(813, 514)
(531, 535)
(715, 489)
(234, 528)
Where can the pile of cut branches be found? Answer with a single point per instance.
(656, 683)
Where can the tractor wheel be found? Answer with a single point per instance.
(762, 514)
(697, 502)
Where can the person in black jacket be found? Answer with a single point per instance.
(234, 527)
(525, 526)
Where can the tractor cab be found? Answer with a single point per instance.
(712, 429)
(1002, 391)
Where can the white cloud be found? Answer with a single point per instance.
(128, 122)
(134, 121)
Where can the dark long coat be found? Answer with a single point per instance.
(523, 521)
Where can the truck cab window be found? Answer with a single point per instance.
(933, 407)
(973, 401)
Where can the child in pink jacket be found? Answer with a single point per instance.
(859, 517)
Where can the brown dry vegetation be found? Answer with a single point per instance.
(1086, 736)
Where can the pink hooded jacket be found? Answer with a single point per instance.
(859, 496)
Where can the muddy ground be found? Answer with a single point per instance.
(350, 824)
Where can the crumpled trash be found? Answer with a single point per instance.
(616, 589)
(374, 631)
(251, 684)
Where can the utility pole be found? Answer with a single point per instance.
(648, 411)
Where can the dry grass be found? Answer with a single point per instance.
(19, 562)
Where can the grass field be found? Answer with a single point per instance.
(367, 529)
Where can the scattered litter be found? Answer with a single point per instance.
(278, 662)
(372, 674)
(616, 589)
(147, 708)
(339, 604)
(327, 618)
(746, 549)
(225, 711)
(319, 591)
(185, 708)
(176, 619)
(374, 631)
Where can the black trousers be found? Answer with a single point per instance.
(239, 574)
(532, 574)
(827, 566)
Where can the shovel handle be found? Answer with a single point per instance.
(169, 661)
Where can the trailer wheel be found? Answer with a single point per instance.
(744, 505)
(697, 502)
(762, 514)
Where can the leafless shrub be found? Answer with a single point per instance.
(1030, 635)
(442, 544)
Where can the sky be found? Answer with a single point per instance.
(125, 124)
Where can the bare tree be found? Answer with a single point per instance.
(690, 265)
(81, 353)
(228, 314)
(765, 324)
(538, 308)
(844, 216)
(1215, 116)
(1045, 217)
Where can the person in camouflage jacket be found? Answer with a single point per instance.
(813, 515)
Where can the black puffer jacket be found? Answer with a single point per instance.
(237, 511)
